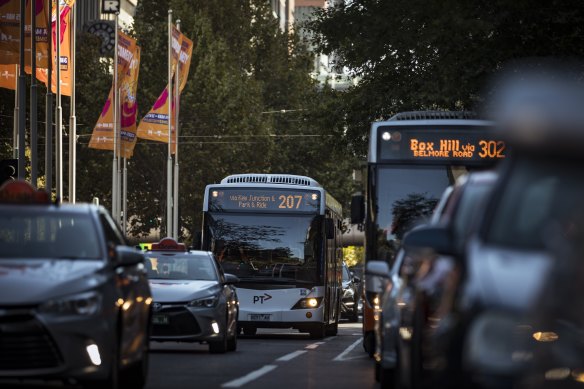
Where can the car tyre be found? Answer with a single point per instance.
(232, 341)
(369, 343)
(219, 346)
(387, 378)
(135, 376)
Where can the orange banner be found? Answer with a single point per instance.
(8, 76)
(186, 52)
(65, 62)
(10, 32)
(103, 134)
(154, 126)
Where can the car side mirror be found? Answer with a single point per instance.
(437, 239)
(356, 279)
(231, 279)
(357, 208)
(378, 269)
(128, 256)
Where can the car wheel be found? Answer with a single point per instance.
(135, 375)
(218, 346)
(387, 378)
(317, 331)
(369, 343)
(232, 341)
(250, 331)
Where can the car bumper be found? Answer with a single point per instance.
(35, 346)
(179, 323)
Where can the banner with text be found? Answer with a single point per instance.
(154, 126)
(8, 76)
(10, 32)
(103, 133)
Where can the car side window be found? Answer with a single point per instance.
(112, 235)
(219, 268)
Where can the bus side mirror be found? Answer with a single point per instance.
(357, 208)
(329, 228)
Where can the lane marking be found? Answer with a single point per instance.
(341, 356)
(254, 375)
(314, 345)
(289, 357)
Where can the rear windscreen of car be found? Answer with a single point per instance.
(180, 267)
(33, 234)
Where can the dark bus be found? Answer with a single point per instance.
(413, 157)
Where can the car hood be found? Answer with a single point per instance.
(505, 278)
(28, 282)
(168, 291)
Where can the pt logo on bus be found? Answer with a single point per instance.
(262, 298)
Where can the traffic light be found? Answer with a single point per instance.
(8, 170)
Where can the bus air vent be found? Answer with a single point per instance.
(434, 115)
(286, 179)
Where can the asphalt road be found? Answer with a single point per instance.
(271, 359)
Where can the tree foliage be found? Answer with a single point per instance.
(413, 54)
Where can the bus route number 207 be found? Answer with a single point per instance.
(290, 201)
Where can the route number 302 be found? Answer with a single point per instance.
(290, 201)
(492, 149)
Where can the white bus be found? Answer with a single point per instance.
(281, 236)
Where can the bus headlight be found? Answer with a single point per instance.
(308, 303)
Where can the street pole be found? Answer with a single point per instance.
(115, 212)
(33, 99)
(15, 125)
(169, 161)
(49, 107)
(125, 198)
(72, 117)
(21, 97)
(59, 109)
(176, 126)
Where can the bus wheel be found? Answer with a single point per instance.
(317, 331)
(250, 331)
(332, 329)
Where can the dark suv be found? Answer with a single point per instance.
(74, 298)
(504, 314)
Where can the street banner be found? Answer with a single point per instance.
(10, 32)
(103, 133)
(65, 61)
(8, 76)
(186, 52)
(154, 126)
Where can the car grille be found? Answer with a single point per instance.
(25, 344)
(181, 323)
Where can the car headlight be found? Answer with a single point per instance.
(205, 302)
(85, 304)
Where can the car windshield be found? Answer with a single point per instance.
(543, 195)
(165, 266)
(267, 247)
(30, 233)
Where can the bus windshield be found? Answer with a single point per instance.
(273, 248)
(405, 196)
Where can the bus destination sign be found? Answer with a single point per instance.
(458, 145)
(263, 200)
